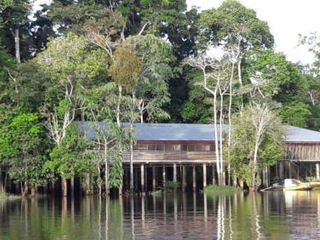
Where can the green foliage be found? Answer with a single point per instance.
(83, 16)
(171, 185)
(152, 90)
(14, 16)
(7, 63)
(215, 190)
(22, 147)
(254, 127)
(268, 69)
(231, 21)
(196, 108)
(67, 59)
(295, 113)
(6, 196)
(126, 67)
(71, 157)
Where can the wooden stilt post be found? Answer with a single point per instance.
(214, 174)
(194, 180)
(318, 171)
(184, 178)
(175, 172)
(132, 178)
(142, 178)
(235, 182)
(241, 183)
(121, 184)
(154, 178)
(204, 166)
(281, 173)
(267, 176)
(290, 169)
(146, 179)
(164, 175)
(72, 186)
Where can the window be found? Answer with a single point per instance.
(184, 147)
(141, 147)
(155, 147)
(202, 148)
(173, 147)
(199, 148)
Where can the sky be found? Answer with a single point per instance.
(286, 19)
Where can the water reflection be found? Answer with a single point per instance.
(274, 215)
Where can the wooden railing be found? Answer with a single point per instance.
(170, 157)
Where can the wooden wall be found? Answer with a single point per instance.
(306, 152)
(173, 152)
(203, 152)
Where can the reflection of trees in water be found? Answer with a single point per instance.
(248, 217)
(173, 215)
(256, 206)
(221, 218)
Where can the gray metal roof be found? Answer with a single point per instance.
(192, 132)
(296, 134)
(176, 132)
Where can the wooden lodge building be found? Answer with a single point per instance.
(184, 153)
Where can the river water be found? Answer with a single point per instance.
(271, 215)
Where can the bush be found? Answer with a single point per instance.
(220, 190)
(6, 196)
(172, 185)
(3, 195)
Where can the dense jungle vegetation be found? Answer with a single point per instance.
(141, 61)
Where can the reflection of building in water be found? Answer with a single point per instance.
(184, 152)
(296, 197)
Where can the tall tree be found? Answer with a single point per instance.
(67, 61)
(14, 14)
(257, 142)
(215, 81)
(22, 149)
(125, 70)
(151, 90)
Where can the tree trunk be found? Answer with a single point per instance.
(64, 186)
(240, 81)
(33, 191)
(51, 186)
(223, 182)
(106, 169)
(118, 104)
(131, 165)
(254, 169)
(24, 189)
(99, 182)
(216, 139)
(86, 185)
(229, 120)
(1, 182)
(16, 35)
